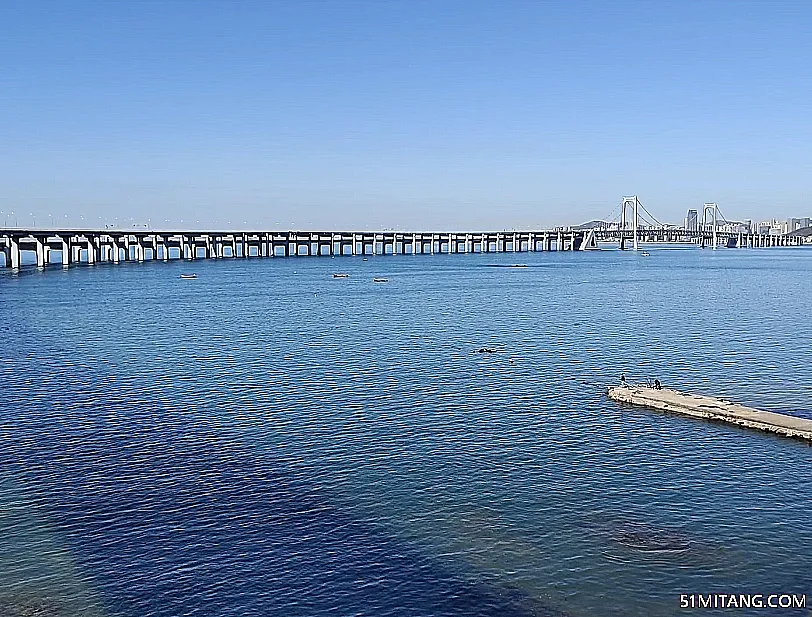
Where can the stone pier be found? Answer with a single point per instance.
(709, 408)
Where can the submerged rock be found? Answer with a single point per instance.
(30, 604)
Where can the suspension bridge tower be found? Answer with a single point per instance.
(633, 204)
(710, 215)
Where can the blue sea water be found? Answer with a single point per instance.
(267, 440)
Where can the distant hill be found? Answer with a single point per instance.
(803, 231)
(592, 225)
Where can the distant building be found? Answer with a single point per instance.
(691, 223)
(795, 224)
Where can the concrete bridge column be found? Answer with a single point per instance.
(40, 252)
(559, 244)
(139, 249)
(13, 253)
(65, 250)
(92, 252)
(115, 250)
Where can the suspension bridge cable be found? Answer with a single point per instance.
(615, 212)
(658, 222)
(719, 210)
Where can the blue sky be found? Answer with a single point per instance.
(418, 114)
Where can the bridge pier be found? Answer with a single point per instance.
(65, 250)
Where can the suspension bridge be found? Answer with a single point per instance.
(629, 227)
(633, 223)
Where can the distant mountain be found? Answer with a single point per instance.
(592, 225)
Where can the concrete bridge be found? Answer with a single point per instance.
(72, 246)
(97, 245)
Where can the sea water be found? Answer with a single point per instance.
(268, 440)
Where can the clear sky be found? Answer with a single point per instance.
(411, 114)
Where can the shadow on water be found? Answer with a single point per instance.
(169, 524)
(629, 539)
(38, 575)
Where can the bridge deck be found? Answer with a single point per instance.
(710, 408)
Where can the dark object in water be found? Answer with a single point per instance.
(341, 275)
(486, 350)
(380, 280)
(648, 540)
(506, 265)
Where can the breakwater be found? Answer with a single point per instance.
(709, 408)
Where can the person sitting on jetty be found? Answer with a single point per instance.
(623, 383)
(657, 385)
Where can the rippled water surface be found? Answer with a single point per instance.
(268, 440)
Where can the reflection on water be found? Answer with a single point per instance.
(271, 441)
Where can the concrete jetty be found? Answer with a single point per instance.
(709, 408)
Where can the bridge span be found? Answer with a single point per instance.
(96, 245)
(72, 246)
